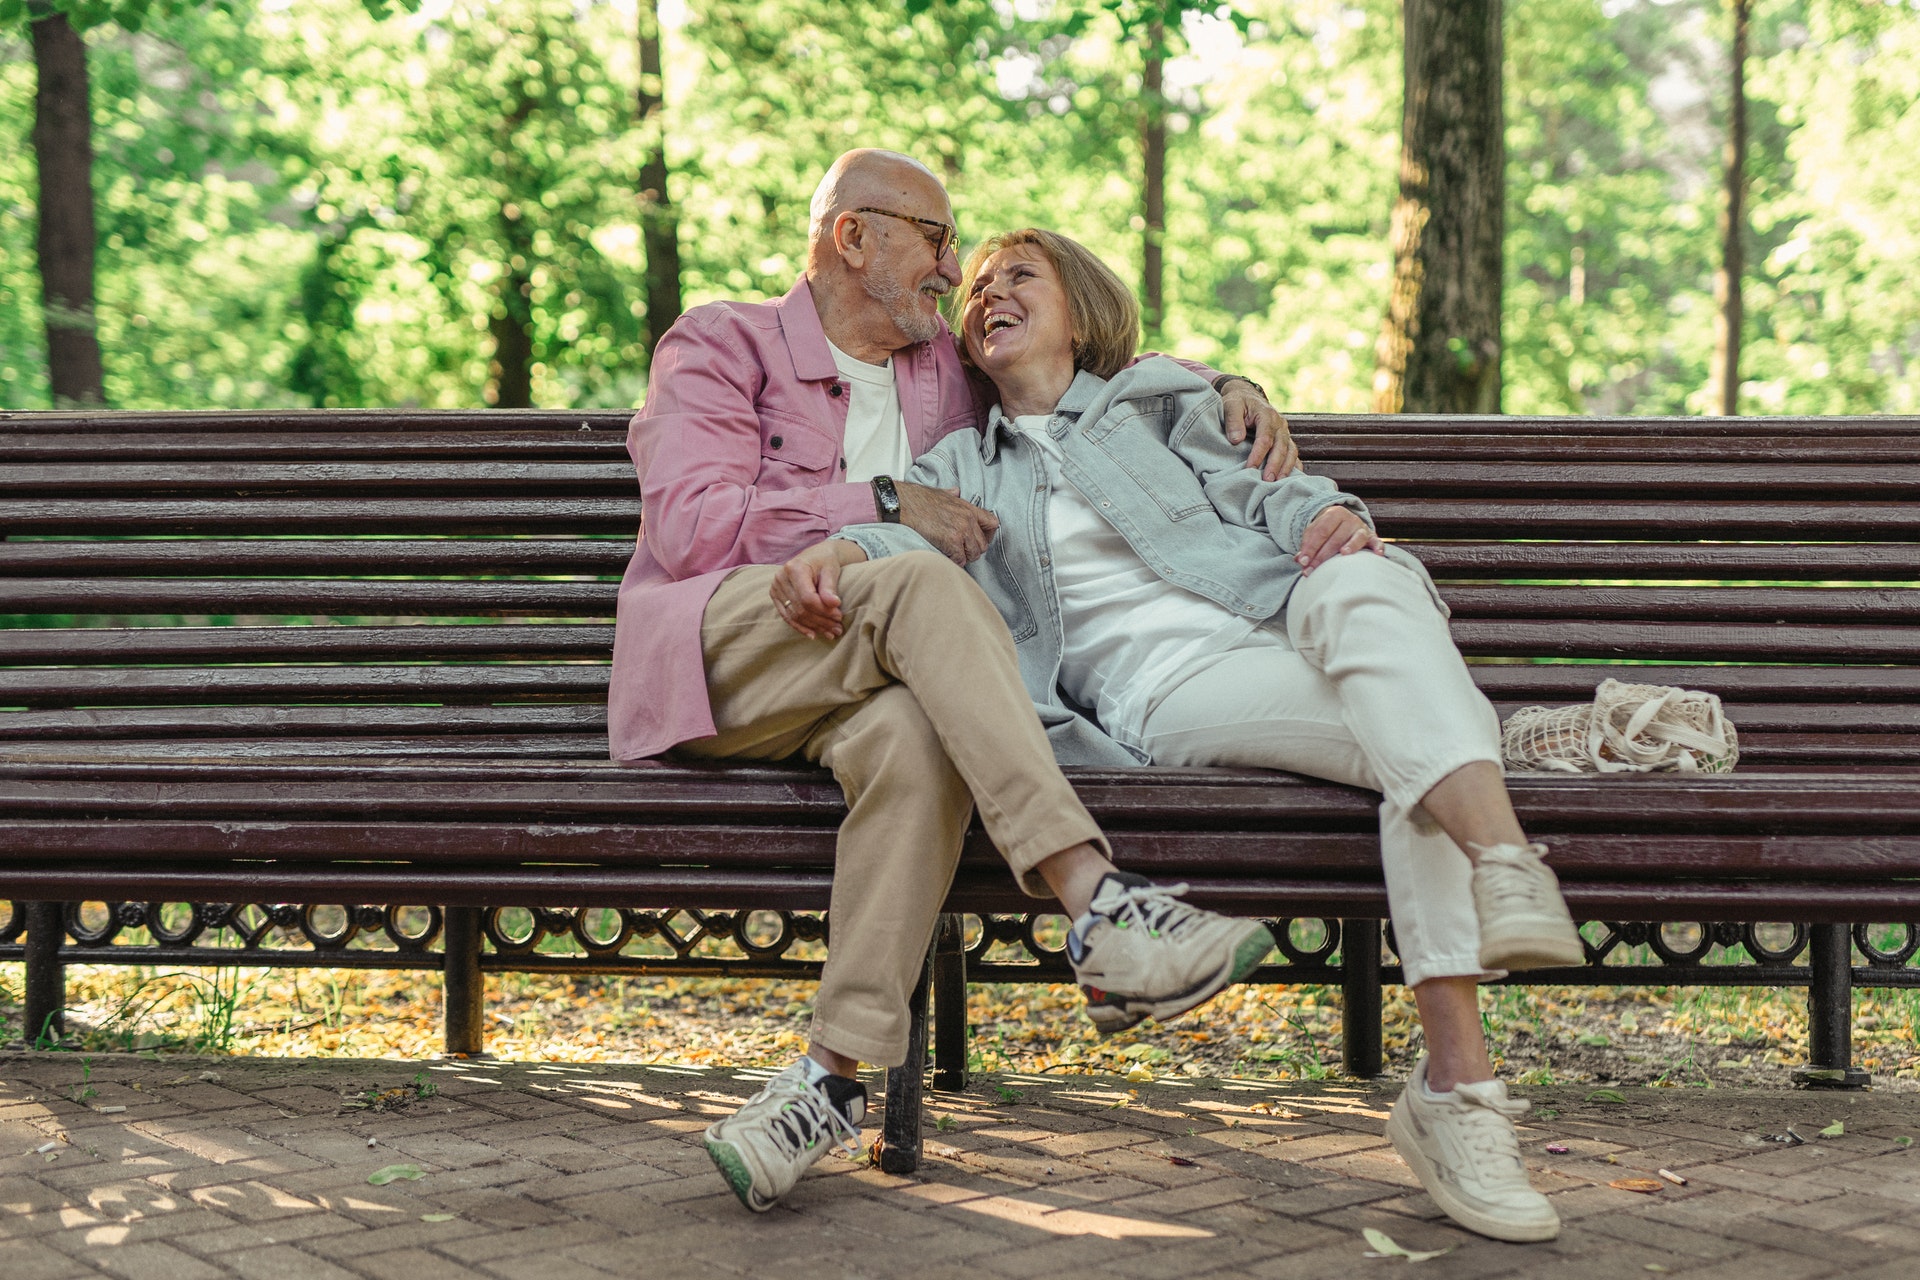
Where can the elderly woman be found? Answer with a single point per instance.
(1168, 605)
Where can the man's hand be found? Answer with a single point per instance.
(959, 530)
(806, 588)
(1337, 531)
(1242, 406)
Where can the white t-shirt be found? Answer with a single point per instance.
(876, 441)
(1127, 629)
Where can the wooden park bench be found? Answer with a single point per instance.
(327, 688)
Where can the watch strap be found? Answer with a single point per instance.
(886, 500)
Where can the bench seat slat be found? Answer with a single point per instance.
(67, 645)
(1491, 517)
(134, 723)
(321, 479)
(382, 556)
(568, 445)
(463, 746)
(1830, 562)
(120, 686)
(1686, 642)
(1687, 604)
(330, 597)
(1473, 424)
(1324, 448)
(1658, 857)
(1745, 688)
(310, 515)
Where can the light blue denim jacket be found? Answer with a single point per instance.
(1147, 448)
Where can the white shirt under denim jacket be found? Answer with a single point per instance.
(1146, 451)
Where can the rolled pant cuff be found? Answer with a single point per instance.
(1035, 849)
(1432, 774)
(1456, 965)
(878, 1051)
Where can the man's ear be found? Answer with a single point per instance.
(851, 238)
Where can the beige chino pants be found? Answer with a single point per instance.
(919, 711)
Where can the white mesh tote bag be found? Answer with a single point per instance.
(1628, 728)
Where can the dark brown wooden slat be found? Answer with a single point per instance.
(1773, 605)
(1745, 685)
(153, 446)
(424, 643)
(94, 686)
(1630, 517)
(328, 597)
(1826, 562)
(276, 422)
(1685, 642)
(463, 746)
(318, 479)
(1742, 802)
(1802, 717)
(1654, 858)
(1829, 748)
(134, 723)
(1467, 424)
(381, 556)
(1324, 448)
(309, 515)
(1871, 481)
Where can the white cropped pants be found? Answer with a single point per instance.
(1373, 693)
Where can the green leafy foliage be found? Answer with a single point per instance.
(347, 202)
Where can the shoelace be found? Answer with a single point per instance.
(804, 1116)
(1483, 1130)
(1154, 907)
(1508, 883)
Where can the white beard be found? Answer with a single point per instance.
(903, 308)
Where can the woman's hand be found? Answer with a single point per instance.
(806, 588)
(1337, 531)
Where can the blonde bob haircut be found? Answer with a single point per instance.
(1101, 309)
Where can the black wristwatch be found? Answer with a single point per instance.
(1220, 384)
(886, 500)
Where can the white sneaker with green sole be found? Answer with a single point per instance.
(1462, 1147)
(764, 1147)
(1149, 955)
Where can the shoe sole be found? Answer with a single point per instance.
(1460, 1211)
(1109, 1019)
(1540, 944)
(726, 1159)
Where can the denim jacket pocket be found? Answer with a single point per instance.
(1141, 453)
(795, 442)
(1003, 588)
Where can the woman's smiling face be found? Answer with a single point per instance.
(1016, 314)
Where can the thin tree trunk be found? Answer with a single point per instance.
(659, 221)
(1729, 310)
(63, 148)
(1153, 151)
(1439, 349)
(511, 370)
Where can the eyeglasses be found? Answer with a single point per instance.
(941, 237)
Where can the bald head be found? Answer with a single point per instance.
(868, 176)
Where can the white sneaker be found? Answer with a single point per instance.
(1462, 1147)
(764, 1147)
(1148, 954)
(1523, 919)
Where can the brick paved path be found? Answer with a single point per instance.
(186, 1168)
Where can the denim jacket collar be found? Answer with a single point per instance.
(1085, 388)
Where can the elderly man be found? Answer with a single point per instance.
(770, 426)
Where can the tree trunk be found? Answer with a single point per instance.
(1729, 310)
(511, 372)
(1439, 348)
(63, 147)
(659, 222)
(1153, 151)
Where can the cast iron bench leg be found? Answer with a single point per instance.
(1360, 996)
(1830, 1012)
(949, 1006)
(900, 1139)
(46, 994)
(464, 985)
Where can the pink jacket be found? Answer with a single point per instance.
(738, 452)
